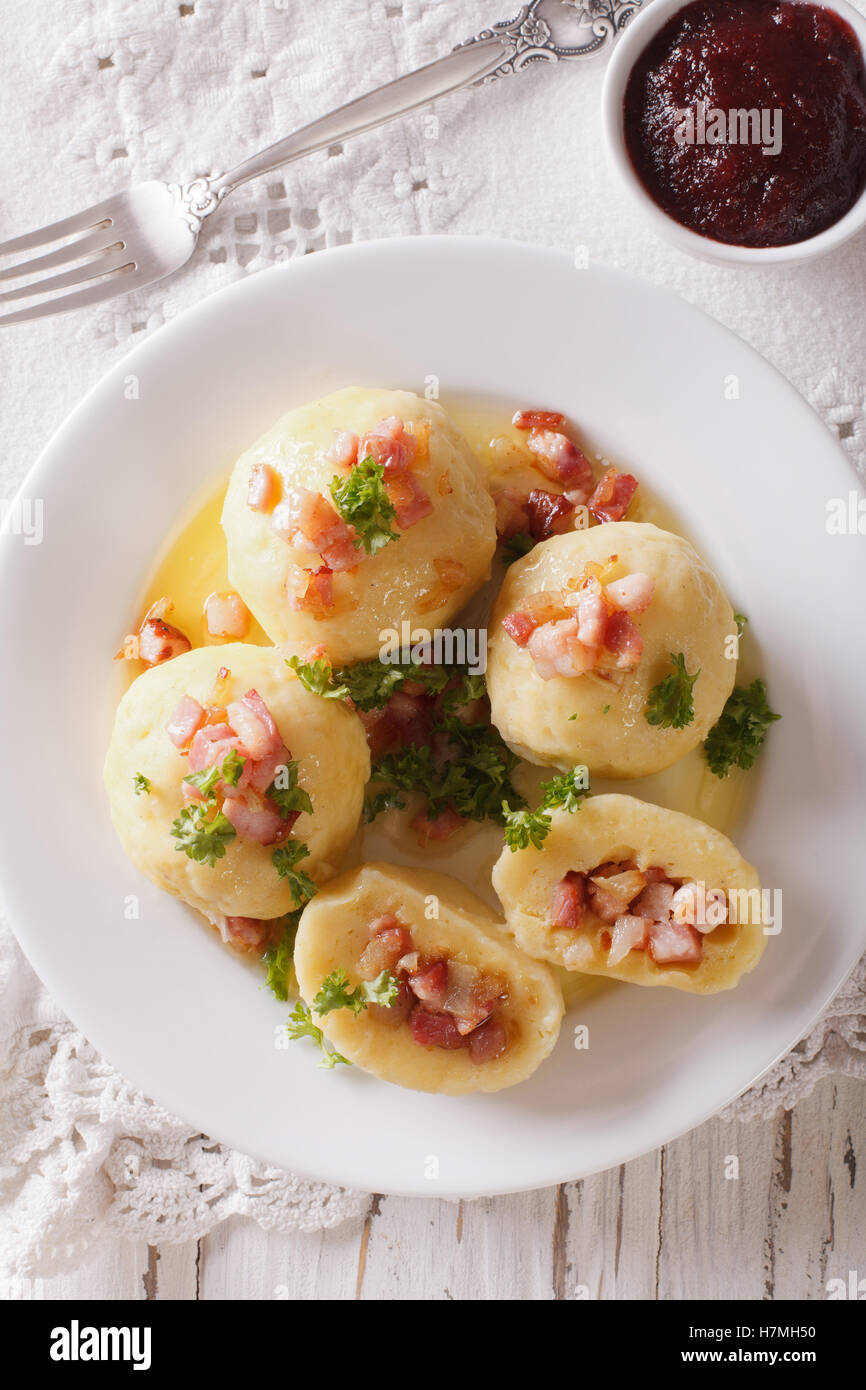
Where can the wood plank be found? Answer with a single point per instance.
(612, 1232)
(499, 1248)
(240, 1260)
(172, 1271)
(113, 1269)
(819, 1220)
(714, 1200)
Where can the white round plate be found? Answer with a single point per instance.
(648, 379)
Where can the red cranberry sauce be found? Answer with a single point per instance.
(745, 120)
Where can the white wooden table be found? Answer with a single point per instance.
(669, 1225)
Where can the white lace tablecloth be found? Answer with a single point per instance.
(102, 92)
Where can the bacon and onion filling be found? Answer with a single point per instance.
(323, 544)
(585, 627)
(208, 734)
(444, 1002)
(641, 910)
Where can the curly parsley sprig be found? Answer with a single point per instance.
(368, 684)
(203, 832)
(567, 791)
(286, 794)
(279, 958)
(738, 736)
(525, 828)
(285, 859)
(334, 993)
(228, 771)
(363, 503)
(671, 704)
(300, 1025)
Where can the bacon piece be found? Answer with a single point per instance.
(520, 627)
(562, 461)
(409, 499)
(420, 431)
(226, 615)
(206, 750)
(259, 773)
(260, 743)
(254, 725)
(655, 902)
(675, 943)
(343, 452)
(630, 933)
(623, 639)
(407, 719)
(437, 828)
(566, 909)
(257, 818)
(472, 995)
(187, 718)
(538, 420)
(262, 488)
(430, 985)
(556, 650)
(549, 514)
(631, 594)
(435, 1030)
(389, 940)
(210, 747)
(715, 911)
(317, 594)
(612, 495)
(159, 641)
(488, 1041)
(250, 933)
(611, 894)
(312, 517)
(592, 618)
(389, 444)
(512, 516)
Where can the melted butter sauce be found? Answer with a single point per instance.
(194, 565)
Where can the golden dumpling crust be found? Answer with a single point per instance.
(398, 583)
(334, 930)
(326, 741)
(616, 828)
(689, 613)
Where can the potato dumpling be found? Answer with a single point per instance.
(424, 577)
(644, 852)
(335, 934)
(688, 613)
(325, 740)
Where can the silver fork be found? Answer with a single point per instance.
(138, 237)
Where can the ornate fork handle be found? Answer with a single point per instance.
(543, 31)
(551, 30)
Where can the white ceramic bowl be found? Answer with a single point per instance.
(629, 48)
